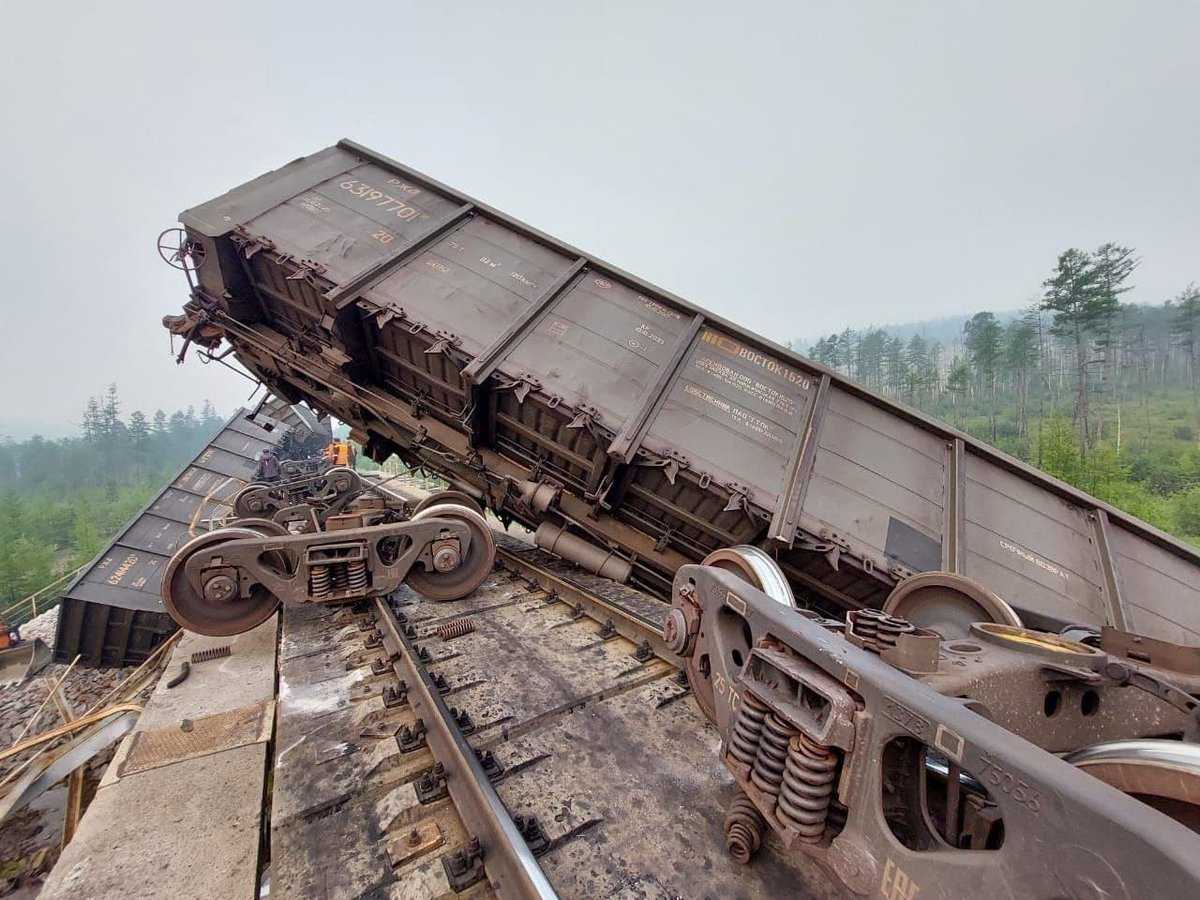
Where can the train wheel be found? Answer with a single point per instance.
(948, 604)
(1162, 774)
(246, 505)
(457, 498)
(757, 569)
(343, 480)
(470, 571)
(265, 527)
(208, 612)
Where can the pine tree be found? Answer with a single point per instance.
(110, 412)
(1020, 357)
(1076, 297)
(848, 351)
(139, 438)
(897, 368)
(208, 415)
(1185, 328)
(916, 359)
(982, 336)
(870, 357)
(91, 420)
(958, 382)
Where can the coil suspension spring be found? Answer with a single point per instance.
(341, 578)
(769, 762)
(454, 629)
(356, 575)
(807, 787)
(318, 582)
(744, 829)
(890, 628)
(866, 627)
(747, 728)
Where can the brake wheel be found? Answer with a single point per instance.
(472, 568)
(189, 606)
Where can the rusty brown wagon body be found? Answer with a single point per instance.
(559, 389)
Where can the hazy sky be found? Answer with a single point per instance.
(797, 167)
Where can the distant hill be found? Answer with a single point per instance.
(946, 330)
(23, 429)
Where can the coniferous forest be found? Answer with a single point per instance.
(61, 501)
(1100, 393)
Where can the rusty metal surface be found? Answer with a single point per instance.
(475, 346)
(630, 789)
(198, 737)
(838, 752)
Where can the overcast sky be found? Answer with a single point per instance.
(796, 167)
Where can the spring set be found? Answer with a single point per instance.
(767, 774)
(356, 575)
(879, 631)
(807, 787)
(319, 582)
(747, 728)
(744, 828)
(866, 626)
(323, 580)
(891, 628)
(454, 629)
(340, 577)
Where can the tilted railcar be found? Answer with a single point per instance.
(635, 431)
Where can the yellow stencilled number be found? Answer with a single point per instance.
(383, 237)
(400, 209)
(123, 569)
(896, 884)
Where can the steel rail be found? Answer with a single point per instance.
(511, 867)
(625, 623)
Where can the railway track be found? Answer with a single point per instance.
(535, 739)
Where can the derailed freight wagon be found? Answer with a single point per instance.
(634, 431)
(112, 613)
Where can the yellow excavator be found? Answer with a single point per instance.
(340, 453)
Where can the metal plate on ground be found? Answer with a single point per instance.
(199, 737)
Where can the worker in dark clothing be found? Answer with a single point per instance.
(268, 466)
